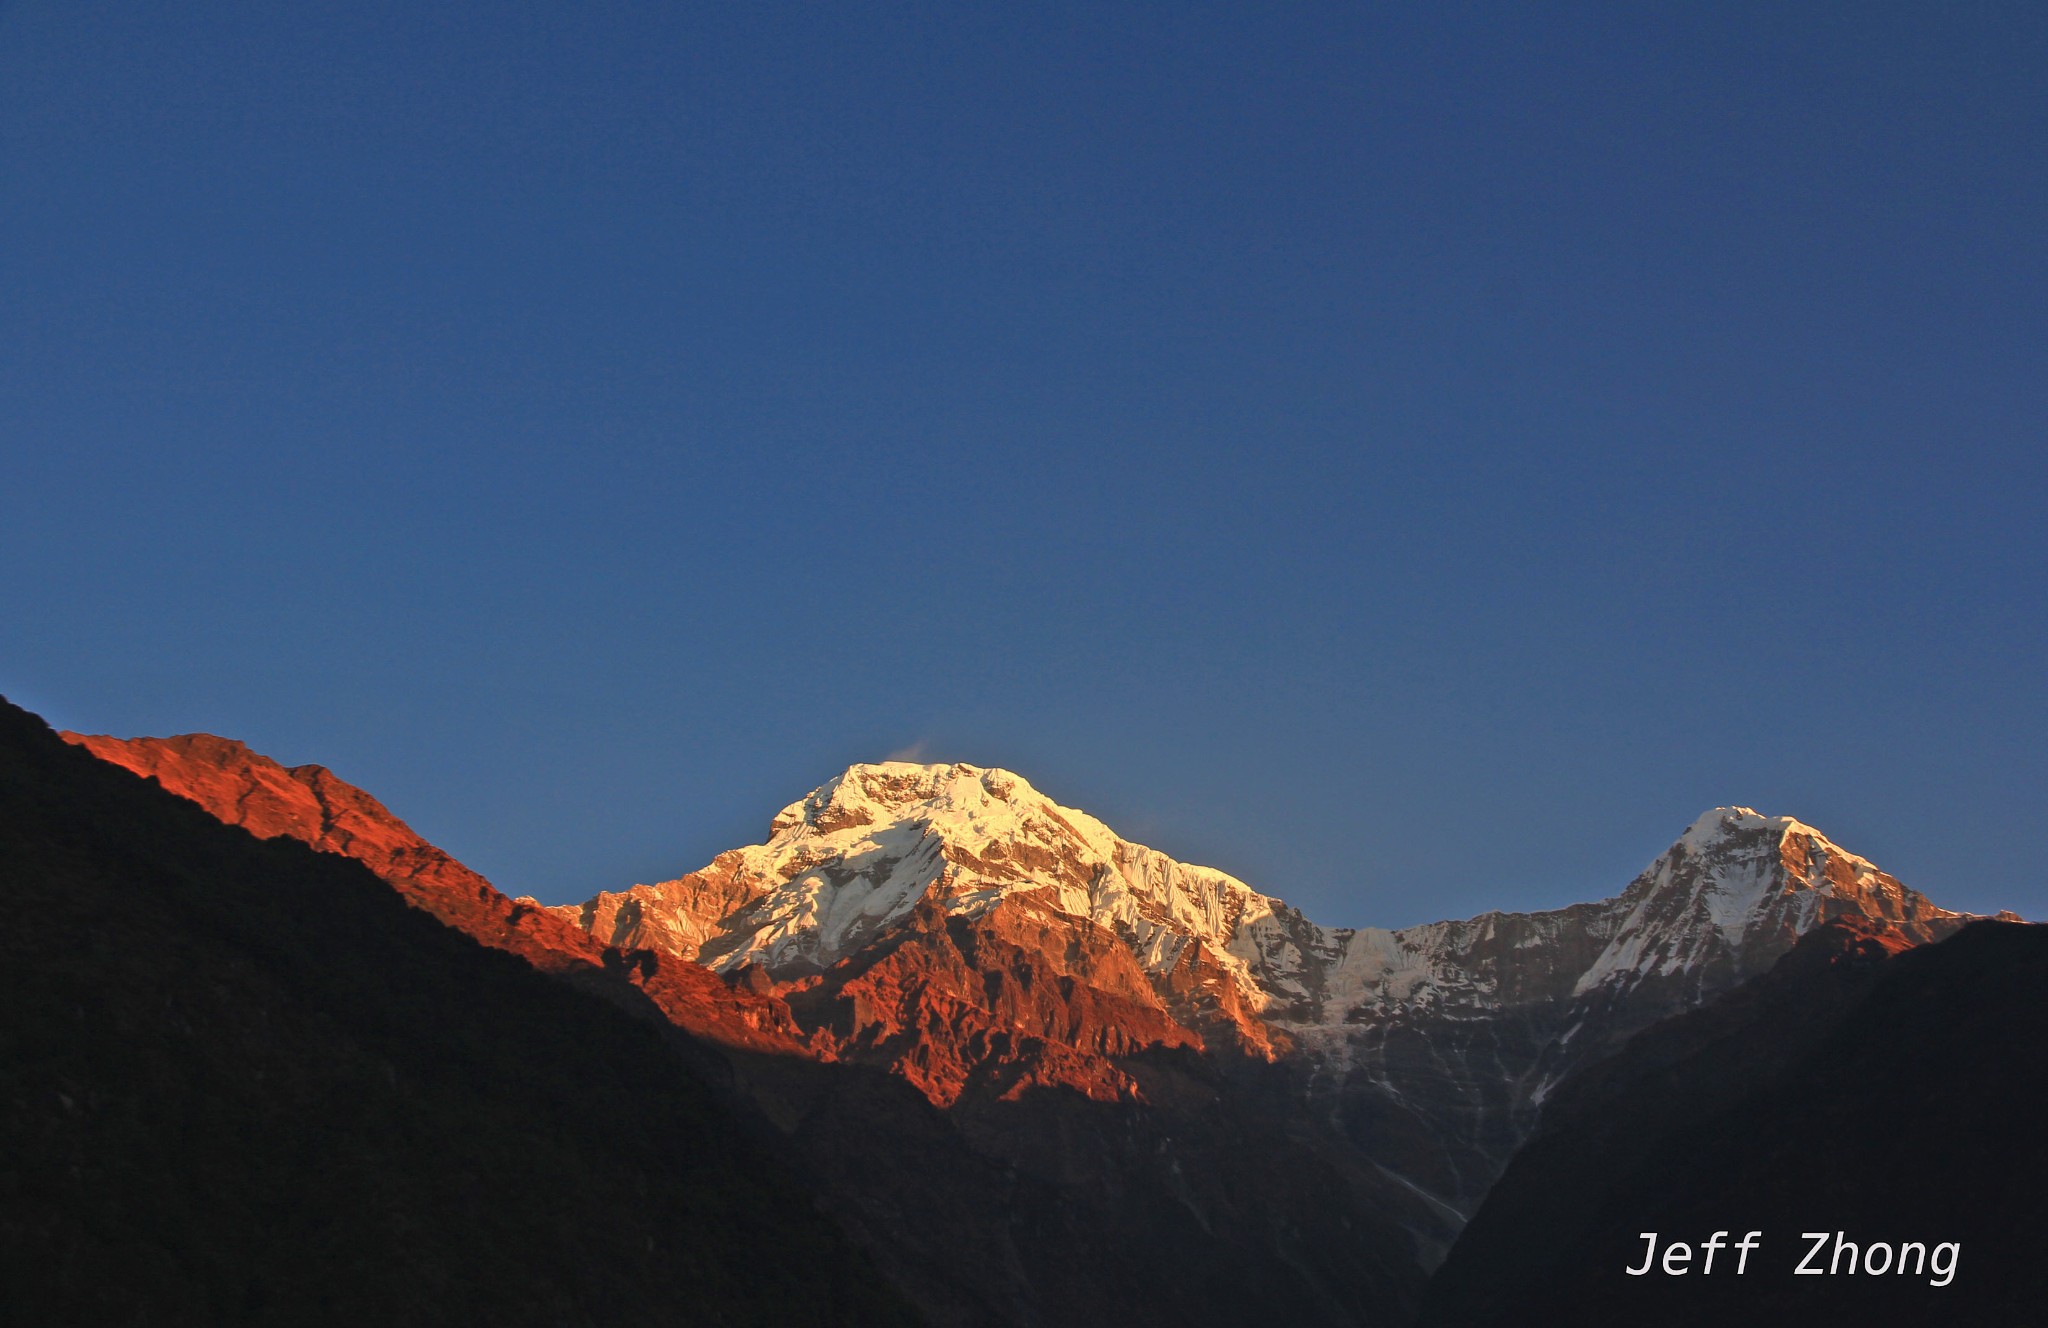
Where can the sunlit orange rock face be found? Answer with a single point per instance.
(311, 804)
(999, 1004)
(1018, 998)
(1063, 949)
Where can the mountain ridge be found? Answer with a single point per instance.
(1013, 962)
(843, 864)
(242, 787)
(854, 861)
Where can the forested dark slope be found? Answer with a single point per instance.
(1888, 1094)
(243, 1082)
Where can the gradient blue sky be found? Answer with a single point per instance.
(1413, 458)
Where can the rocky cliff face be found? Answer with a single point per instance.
(310, 804)
(847, 866)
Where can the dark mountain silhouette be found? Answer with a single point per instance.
(1892, 1095)
(245, 1083)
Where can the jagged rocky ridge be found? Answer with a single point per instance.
(310, 804)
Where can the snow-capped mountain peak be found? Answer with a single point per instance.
(850, 861)
(854, 858)
(1738, 881)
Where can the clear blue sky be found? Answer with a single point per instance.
(1414, 458)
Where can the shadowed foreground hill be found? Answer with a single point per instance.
(243, 1082)
(1892, 1097)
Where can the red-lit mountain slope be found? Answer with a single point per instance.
(310, 804)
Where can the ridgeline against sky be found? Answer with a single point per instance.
(1364, 451)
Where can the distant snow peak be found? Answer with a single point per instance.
(1720, 822)
(1746, 826)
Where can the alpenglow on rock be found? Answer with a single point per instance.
(849, 863)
